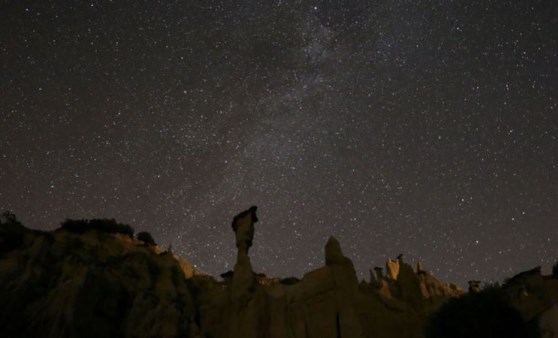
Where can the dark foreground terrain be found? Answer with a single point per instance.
(96, 279)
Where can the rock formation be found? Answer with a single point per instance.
(392, 268)
(525, 306)
(326, 302)
(94, 279)
(243, 226)
(379, 272)
(548, 322)
(90, 284)
(535, 297)
(244, 282)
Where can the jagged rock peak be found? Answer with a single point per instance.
(243, 226)
(392, 268)
(333, 253)
(241, 217)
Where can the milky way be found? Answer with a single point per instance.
(427, 128)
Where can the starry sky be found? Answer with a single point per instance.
(427, 128)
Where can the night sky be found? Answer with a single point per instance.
(427, 128)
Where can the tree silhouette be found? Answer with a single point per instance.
(481, 315)
(146, 238)
(10, 217)
(102, 225)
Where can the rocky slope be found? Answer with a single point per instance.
(90, 284)
(95, 279)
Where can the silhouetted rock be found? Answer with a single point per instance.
(243, 226)
(379, 272)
